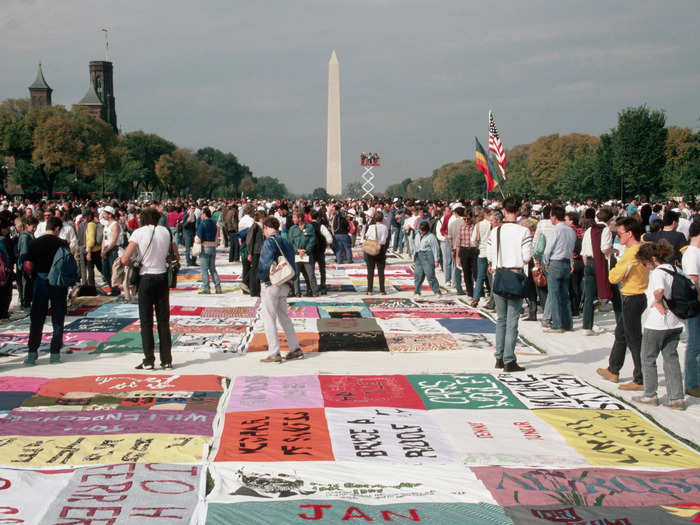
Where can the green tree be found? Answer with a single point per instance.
(548, 155)
(247, 186)
(177, 170)
(639, 144)
(577, 179)
(229, 171)
(320, 194)
(606, 182)
(72, 142)
(145, 149)
(269, 188)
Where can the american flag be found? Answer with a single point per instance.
(496, 145)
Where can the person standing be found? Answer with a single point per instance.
(25, 283)
(319, 224)
(341, 237)
(441, 231)
(426, 256)
(453, 229)
(38, 264)
(662, 329)
(7, 253)
(509, 247)
(691, 267)
(254, 241)
(110, 240)
(230, 219)
(274, 297)
(207, 235)
(633, 278)
(557, 260)
(380, 233)
(303, 240)
(93, 246)
(670, 234)
(596, 247)
(482, 230)
(467, 251)
(189, 230)
(151, 243)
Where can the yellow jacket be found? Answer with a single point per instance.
(91, 238)
(631, 272)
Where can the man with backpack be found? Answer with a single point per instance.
(54, 270)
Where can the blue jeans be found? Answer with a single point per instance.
(207, 264)
(343, 248)
(457, 278)
(43, 294)
(508, 311)
(189, 239)
(397, 236)
(107, 263)
(425, 269)
(558, 279)
(482, 265)
(173, 232)
(692, 353)
(446, 259)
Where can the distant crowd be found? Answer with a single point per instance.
(567, 260)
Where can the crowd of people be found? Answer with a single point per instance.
(370, 159)
(552, 261)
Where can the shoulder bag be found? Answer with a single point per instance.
(136, 265)
(372, 246)
(281, 269)
(506, 282)
(173, 264)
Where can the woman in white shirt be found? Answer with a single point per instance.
(662, 329)
(376, 231)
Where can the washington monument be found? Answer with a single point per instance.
(334, 179)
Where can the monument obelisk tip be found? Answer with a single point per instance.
(334, 58)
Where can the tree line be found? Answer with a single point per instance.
(52, 149)
(641, 156)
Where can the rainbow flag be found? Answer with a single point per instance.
(483, 164)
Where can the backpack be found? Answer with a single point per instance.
(64, 269)
(320, 246)
(540, 247)
(684, 297)
(4, 274)
(99, 233)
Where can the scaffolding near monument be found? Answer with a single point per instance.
(369, 161)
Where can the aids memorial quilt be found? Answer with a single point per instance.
(443, 448)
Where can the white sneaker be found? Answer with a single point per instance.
(448, 284)
(588, 332)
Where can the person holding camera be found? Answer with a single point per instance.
(151, 244)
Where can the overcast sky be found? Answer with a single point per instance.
(417, 78)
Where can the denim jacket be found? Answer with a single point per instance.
(269, 254)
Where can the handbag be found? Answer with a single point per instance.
(281, 269)
(538, 277)
(506, 282)
(136, 265)
(372, 246)
(196, 248)
(173, 264)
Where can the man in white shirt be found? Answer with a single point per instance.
(546, 228)
(691, 267)
(511, 250)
